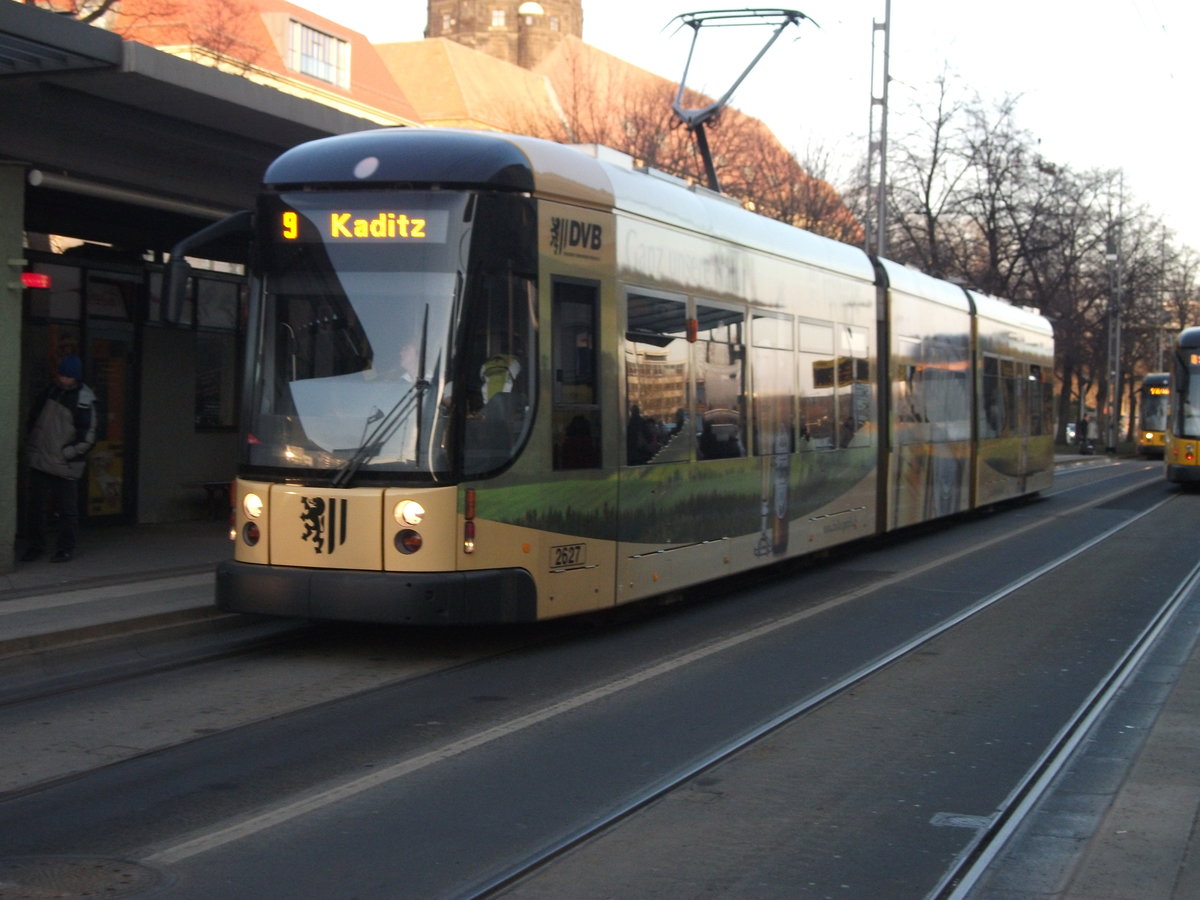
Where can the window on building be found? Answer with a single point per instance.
(497, 18)
(218, 310)
(319, 55)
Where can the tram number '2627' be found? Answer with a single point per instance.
(568, 556)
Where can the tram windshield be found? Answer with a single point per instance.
(1154, 409)
(361, 354)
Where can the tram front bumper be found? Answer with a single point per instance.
(408, 598)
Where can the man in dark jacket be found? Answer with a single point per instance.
(62, 429)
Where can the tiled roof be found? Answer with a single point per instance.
(454, 86)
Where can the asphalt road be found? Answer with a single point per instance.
(462, 754)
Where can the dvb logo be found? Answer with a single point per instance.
(569, 234)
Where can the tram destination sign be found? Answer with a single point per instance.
(359, 226)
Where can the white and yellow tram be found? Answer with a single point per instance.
(492, 378)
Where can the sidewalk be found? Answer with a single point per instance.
(122, 579)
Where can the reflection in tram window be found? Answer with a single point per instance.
(817, 409)
(656, 381)
(854, 387)
(720, 382)
(774, 385)
(993, 413)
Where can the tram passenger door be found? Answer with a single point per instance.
(660, 541)
(582, 549)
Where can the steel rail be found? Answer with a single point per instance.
(969, 868)
(529, 865)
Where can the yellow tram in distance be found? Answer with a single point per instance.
(492, 378)
(1153, 409)
(1183, 423)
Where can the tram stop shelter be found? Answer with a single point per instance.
(126, 149)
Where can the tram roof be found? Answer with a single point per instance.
(1190, 337)
(592, 176)
(913, 281)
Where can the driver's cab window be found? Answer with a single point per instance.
(499, 374)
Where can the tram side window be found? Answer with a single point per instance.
(944, 388)
(854, 387)
(576, 416)
(500, 372)
(1041, 401)
(818, 408)
(994, 414)
(908, 400)
(1011, 382)
(774, 385)
(720, 382)
(656, 381)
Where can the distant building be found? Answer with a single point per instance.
(521, 32)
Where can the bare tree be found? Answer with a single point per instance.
(223, 33)
(600, 99)
(83, 10)
(925, 187)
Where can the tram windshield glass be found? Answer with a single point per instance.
(1187, 392)
(1154, 408)
(361, 363)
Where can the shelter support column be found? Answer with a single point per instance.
(12, 262)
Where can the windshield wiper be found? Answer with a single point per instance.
(381, 433)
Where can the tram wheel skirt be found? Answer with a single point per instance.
(407, 598)
(1183, 474)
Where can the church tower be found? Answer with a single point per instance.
(522, 32)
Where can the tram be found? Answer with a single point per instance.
(1153, 404)
(491, 378)
(1183, 422)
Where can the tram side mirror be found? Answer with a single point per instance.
(234, 230)
(174, 289)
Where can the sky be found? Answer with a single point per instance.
(1105, 84)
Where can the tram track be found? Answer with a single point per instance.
(962, 878)
(143, 667)
(975, 858)
(926, 553)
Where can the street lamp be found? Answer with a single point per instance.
(1113, 255)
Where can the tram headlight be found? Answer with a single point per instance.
(252, 505)
(408, 512)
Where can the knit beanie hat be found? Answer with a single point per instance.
(71, 366)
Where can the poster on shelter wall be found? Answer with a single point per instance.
(108, 374)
